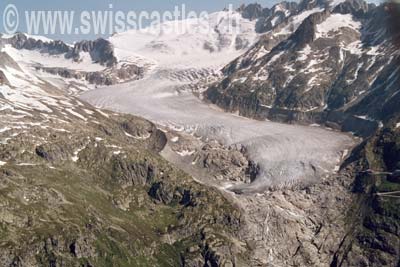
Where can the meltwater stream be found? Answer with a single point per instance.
(285, 153)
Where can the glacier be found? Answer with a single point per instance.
(287, 154)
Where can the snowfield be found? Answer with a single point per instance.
(36, 58)
(189, 43)
(286, 153)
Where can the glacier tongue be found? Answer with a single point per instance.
(286, 153)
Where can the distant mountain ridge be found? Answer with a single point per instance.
(93, 62)
(325, 63)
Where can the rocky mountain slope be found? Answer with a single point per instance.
(373, 237)
(326, 63)
(339, 67)
(84, 187)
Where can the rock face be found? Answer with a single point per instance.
(269, 18)
(253, 11)
(230, 163)
(222, 164)
(322, 64)
(22, 41)
(107, 77)
(373, 238)
(100, 50)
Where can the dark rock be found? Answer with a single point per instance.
(252, 11)
(54, 152)
(132, 174)
(162, 192)
(358, 8)
(101, 51)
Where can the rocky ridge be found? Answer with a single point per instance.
(45, 55)
(324, 65)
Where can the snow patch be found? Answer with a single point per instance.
(144, 137)
(334, 23)
(335, 3)
(240, 80)
(303, 54)
(26, 164)
(357, 71)
(345, 153)
(266, 106)
(75, 157)
(364, 117)
(275, 58)
(185, 153)
(76, 114)
(103, 113)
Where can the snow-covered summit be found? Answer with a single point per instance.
(218, 38)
